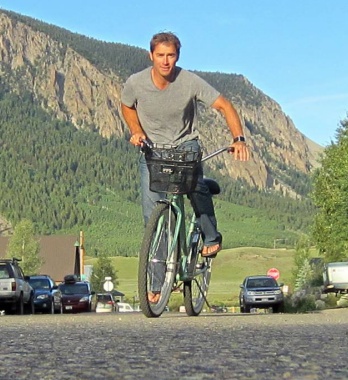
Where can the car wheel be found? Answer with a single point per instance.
(244, 308)
(278, 308)
(52, 307)
(32, 305)
(20, 305)
(241, 306)
(247, 308)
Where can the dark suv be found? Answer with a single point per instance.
(15, 292)
(261, 292)
(47, 296)
(76, 295)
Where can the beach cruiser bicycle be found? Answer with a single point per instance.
(170, 255)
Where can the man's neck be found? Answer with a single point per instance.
(162, 82)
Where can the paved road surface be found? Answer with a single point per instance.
(212, 346)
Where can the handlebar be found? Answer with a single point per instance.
(148, 145)
(228, 149)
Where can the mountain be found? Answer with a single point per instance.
(78, 80)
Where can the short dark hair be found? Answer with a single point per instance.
(165, 37)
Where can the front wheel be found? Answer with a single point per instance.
(243, 307)
(52, 308)
(196, 290)
(158, 261)
(279, 308)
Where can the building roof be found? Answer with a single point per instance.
(58, 253)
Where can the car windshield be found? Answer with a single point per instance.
(74, 288)
(261, 283)
(104, 298)
(41, 283)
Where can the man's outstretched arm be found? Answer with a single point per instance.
(230, 114)
(131, 118)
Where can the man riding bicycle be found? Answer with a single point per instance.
(160, 104)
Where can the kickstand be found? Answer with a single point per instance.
(201, 291)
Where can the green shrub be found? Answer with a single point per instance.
(299, 303)
(176, 300)
(331, 301)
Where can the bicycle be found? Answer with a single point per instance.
(170, 254)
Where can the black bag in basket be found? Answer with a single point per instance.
(173, 171)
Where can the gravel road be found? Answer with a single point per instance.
(174, 346)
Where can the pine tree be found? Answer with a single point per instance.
(25, 247)
(101, 269)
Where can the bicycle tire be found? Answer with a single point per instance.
(157, 262)
(196, 290)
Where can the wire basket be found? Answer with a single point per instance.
(173, 171)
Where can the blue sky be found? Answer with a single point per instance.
(294, 51)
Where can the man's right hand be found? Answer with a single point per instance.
(137, 139)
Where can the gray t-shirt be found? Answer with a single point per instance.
(168, 116)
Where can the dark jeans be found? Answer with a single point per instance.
(201, 199)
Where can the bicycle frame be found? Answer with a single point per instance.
(182, 236)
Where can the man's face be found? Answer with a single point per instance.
(164, 58)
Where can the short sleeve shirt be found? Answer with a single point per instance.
(168, 116)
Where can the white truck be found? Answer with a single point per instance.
(335, 277)
(15, 292)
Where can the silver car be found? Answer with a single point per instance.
(105, 303)
(261, 292)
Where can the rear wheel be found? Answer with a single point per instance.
(196, 290)
(30, 306)
(20, 305)
(157, 261)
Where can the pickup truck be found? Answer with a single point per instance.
(15, 292)
(335, 277)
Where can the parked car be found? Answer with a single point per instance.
(335, 277)
(76, 295)
(123, 307)
(261, 292)
(105, 303)
(47, 296)
(16, 294)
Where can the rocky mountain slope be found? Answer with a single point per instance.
(72, 88)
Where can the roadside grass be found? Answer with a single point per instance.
(228, 271)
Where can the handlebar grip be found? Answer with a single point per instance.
(147, 145)
(147, 142)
